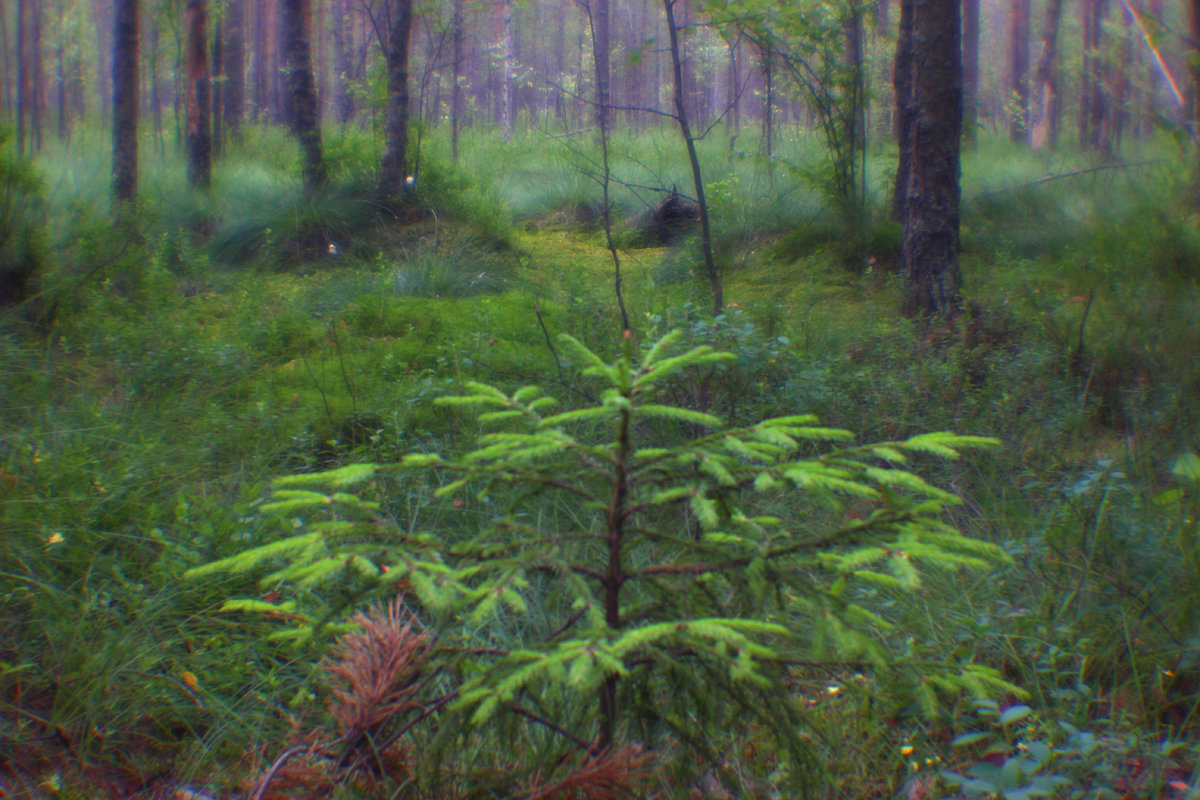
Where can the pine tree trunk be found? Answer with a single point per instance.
(125, 100)
(8, 107)
(932, 278)
(24, 78)
(457, 72)
(199, 129)
(505, 9)
(217, 91)
(343, 103)
(1194, 63)
(970, 68)
(1100, 108)
(902, 77)
(1085, 74)
(301, 93)
(64, 121)
(1018, 130)
(259, 65)
(1043, 131)
(234, 69)
(600, 19)
(391, 172)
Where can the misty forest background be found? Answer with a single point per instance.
(543, 399)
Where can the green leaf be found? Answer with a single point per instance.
(1187, 467)
(962, 740)
(1014, 714)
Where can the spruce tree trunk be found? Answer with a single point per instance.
(199, 129)
(932, 278)
(391, 172)
(902, 77)
(125, 100)
(1043, 130)
(301, 107)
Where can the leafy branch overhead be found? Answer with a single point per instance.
(670, 557)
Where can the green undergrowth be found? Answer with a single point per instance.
(165, 378)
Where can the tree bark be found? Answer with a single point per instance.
(932, 278)
(217, 91)
(301, 93)
(902, 77)
(38, 98)
(234, 95)
(1046, 102)
(1018, 130)
(970, 68)
(391, 172)
(125, 100)
(24, 70)
(199, 128)
(1194, 63)
(601, 40)
(1100, 112)
(505, 10)
(8, 107)
(1085, 74)
(343, 103)
(456, 46)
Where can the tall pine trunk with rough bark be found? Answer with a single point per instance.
(233, 97)
(456, 104)
(199, 129)
(343, 103)
(125, 100)
(301, 103)
(1018, 130)
(1046, 104)
(1194, 63)
(391, 172)
(216, 90)
(931, 272)
(902, 75)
